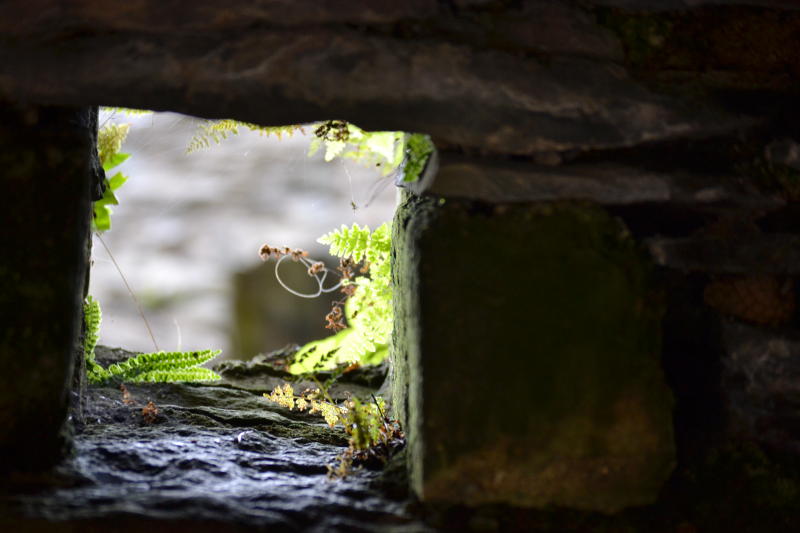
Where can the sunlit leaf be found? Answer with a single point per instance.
(115, 160)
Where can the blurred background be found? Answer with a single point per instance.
(189, 227)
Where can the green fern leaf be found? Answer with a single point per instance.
(154, 366)
(368, 311)
(161, 364)
(217, 131)
(347, 242)
(127, 111)
(166, 376)
(92, 318)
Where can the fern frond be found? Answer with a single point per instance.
(354, 346)
(92, 318)
(163, 366)
(379, 247)
(127, 111)
(155, 366)
(166, 376)
(368, 310)
(109, 141)
(348, 242)
(217, 131)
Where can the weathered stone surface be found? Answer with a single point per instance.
(759, 254)
(738, 54)
(761, 382)
(264, 372)
(20, 20)
(540, 27)
(216, 458)
(500, 181)
(669, 5)
(46, 178)
(501, 99)
(785, 152)
(540, 313)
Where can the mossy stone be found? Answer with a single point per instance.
(526, 357)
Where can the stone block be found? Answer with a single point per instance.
(761, 385)
(47, 172)
(526, 357)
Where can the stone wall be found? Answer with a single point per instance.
(46, 180)
(671, 118)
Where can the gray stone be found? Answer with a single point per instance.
(501, 99)
(501, 181)
(761, 384)
(745, 254)
(46, 181)
(213, 458)
(527, 357)
(674, 5)
(784, 152)
(18, 20)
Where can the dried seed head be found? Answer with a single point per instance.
(265, 252)
(297, 253)
(335, 319)
(316, 268)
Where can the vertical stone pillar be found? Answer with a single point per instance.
(526, 356)
(46, 174)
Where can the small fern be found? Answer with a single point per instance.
(217, 131)
(368, 310)
(163, 367)
(152, 367)
(127, 111)
(92, 317)
(372, 437)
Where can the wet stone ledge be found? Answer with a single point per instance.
(215, 457)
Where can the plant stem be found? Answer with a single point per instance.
(130, 291)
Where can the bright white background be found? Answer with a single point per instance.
(187, 222)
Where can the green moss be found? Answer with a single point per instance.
(545, 314)
(419, 148)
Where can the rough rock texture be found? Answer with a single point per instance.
(512, 80)
(670, 113)
(214, 458)
(606, 183)
(46, 179)
(761, 381)
(552, 333)
(219, 458)
(766, 254)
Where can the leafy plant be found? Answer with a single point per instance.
(109, 142)
(217, 131)
(372, 437)
(388, 151)
(153, 367)
(383, 150)
(365, 315)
